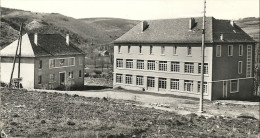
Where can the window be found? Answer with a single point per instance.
(128, 79)
(240, 50)
(205, 87)
(119, 49)
(140, 64)
(162, 50)
(72, 61)
(140, 49)
(218, 51)
(80, 73)
(129, 63)
(71, 75)
(174, 84)
(240, 65)
(40, 64)
(119, 63)
(129, 49)
(52, 77)
(162, 83)
(189, 50)
(151, 65)
(230, 50)
(40, 79)
(206, 69)
(163, 65)
(188, 85)
(151, 49)
(139, 80)
(51, 63)
(175, 50)
(150, 81)
(234, 86)
(80, 61)
(62, 62)
(119, 78)
(189, 67)
(249, 61)
(175, 66)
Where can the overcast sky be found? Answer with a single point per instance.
(140, 9)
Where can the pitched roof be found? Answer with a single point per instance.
(47, 45)
(177, 31)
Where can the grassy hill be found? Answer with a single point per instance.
(83, 32)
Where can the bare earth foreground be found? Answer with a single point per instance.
(103, 113)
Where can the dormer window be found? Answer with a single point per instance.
(140, 49)
(119, 49)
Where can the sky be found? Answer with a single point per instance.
(140, 9)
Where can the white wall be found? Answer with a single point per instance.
(27, 73)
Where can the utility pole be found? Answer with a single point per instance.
(202, 59)
(19, 56)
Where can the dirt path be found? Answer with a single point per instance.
(182, 106)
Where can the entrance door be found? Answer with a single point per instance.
(62, 78)
(225, 89)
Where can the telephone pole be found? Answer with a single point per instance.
(202, 59)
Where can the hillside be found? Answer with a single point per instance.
(250, 25)
(83, 32)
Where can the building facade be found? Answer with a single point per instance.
(164, 56)
(48, 61)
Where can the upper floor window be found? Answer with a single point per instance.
(119, 49)
(119, 63)
(151, 49)
(52, 77)
(40, 64)
(189, 67)
(81, 61)
(163, 65)
(151, 65)
(140, 64)
(71, 61)
(175, 66)
(140, 49)
(162, 50)
(51, 63)
(218, 51)
(240, 66)
(189, 50)
(230, 50)
(175, 50)
(129, 49)
(129, 63)
(62, 62)
(206, 70)
(240, 50)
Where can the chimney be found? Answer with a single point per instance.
(144, 25)
(67, 39)
(191, 23)
(222, 37)
(35, 39)
(232, 23)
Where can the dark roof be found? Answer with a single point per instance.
(177, 31)
(52, 45)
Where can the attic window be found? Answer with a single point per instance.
(145, 25)
(234, 31)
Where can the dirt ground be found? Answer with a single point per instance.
(109, 113)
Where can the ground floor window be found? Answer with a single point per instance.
(188, 85)
(139, 80)
(150, 81)
(205, 87)
(119, 78)
(128, 79)
(80, 74)
(234, 86)
(52, 77)
(162, 83)
(40, 79)
(71, 75)
(175, 84)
